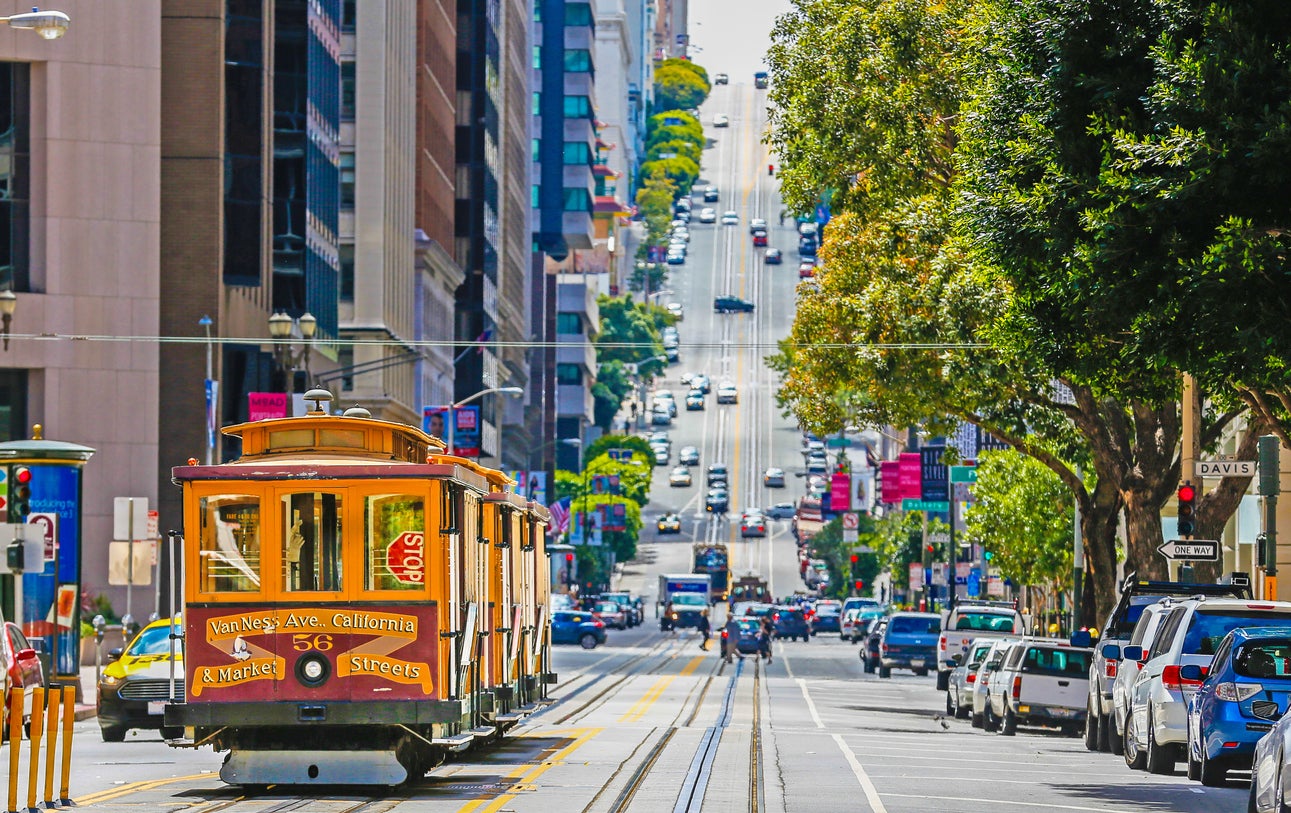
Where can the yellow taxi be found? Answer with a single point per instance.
(136, 685)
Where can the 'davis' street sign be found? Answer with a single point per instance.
(1191, 550)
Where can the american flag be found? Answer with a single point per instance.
(559, 516)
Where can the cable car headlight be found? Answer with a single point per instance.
(313, 669)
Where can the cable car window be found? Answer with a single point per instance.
(312, 541)
(229, 550)
(394, 545)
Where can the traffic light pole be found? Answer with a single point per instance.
(1270, 451)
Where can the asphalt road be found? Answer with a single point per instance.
(650, 721)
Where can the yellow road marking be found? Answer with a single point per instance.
(643, 705)
(739, 367)
(528, 775)
(135, 787)
(693, 665)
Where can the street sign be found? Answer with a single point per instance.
(1225, 468)
(937, 537)
(934, 474)
(406, 557)
(850, 535)
(963, 474)
(963, 492)
(916, 575)
(1190, 550)
(851, 521)
(838, 443)
(939, 573)
(935, 506)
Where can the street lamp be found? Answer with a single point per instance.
(211, 392)
(8, 303)
(280, 330)
(452, 411)
(49, 24)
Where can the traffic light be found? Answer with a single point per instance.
(20, 494)
(1187, 510)
(855, 558)
(569, 570)
(988, 556)
(860, 585)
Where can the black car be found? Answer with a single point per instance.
(807, 247)
(827, 619)
(732, 304)
(717, 473)
(747, 644)
(718, 501)
(773, 256)
(791, 623)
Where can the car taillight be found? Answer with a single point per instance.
(1109, 668)
(1171, 680)
(724, 635)
(1237, 692)
(942, 643)
(598, 623)
(972, 677)
(883, 648)
(1017, 686)
(775, 617)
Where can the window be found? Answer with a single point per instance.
(576, 153)
(347, 180)
(569, 323)
(578, 60)
(533, 196)
(569, 374)
(243, 141)
(347, 89)
(311, 537)
(577, 200)
(349, 14)
(228, 556)
(1208, 627)
(578, 14)
(578, 107)
(15, 184)
(537, 103)
(346, 252)
(394, 542)
(537, 57)
(535, 147)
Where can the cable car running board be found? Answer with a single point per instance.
(379, 767)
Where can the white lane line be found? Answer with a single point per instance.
(871, 793)
(990, 803)
(811, 706)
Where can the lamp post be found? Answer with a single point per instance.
(452, 412)
(211, 392)
(280, 330)
(49, 24)
(8, 304)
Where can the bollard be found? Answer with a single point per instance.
(69, 721)
(54, 701)
(33, 768)
(15, 742)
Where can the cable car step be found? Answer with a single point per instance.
(483, 732)
(455, 742)
(508, 718)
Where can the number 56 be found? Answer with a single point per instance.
(302, 643)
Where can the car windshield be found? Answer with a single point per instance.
(1264, 659)
(748, 627)
(152, 641)
(607, 607)
(1130, 616)
(1053, 661)
(989, 622)
(689, 600)
(1208, 628)
(914, 625)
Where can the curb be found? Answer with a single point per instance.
(86, 713)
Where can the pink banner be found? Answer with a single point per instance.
(911, 478)
(891, 472)
(840, 493)
(264, 405)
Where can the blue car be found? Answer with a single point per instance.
(574, 627)
(909, 642)
(1243, 694)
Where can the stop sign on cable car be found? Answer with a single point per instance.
(406, 557)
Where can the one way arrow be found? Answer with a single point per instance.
(1190, 550)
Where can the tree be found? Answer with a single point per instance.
(680, 170)
(638, 446)
(677, 63)
(655, 201)
(628, 334)
(674, 124)
(1023, 514)
(679, 86)
(684, 148)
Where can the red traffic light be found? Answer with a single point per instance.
(22, 475)
(860, 585)
(1187, 493)
(569, 557)
(929, 549)
(855, 558)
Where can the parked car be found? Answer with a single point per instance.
(1271, 768)
(677, 310)
(680, 477)
(790, 623)
(773, 478)
(1136, 594)
(688, 456)
(990, 668)
(1145, 632)
(136, 685)
(660, 415)
(849, 624)
(1042, 682)
(871, 644)
(909, 642)
(669, 523)
(610, 614)
(773, 256)
(577, 627)
(1157, 726)
(660, 455)
(1243, 693)
(806, 270)
(675, 257)
(959, 692)
(971, 620)
(22, 669)
(732, 304)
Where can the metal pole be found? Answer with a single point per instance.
(1270, 452)
(130, 562)
(171, 631)
(210, 439)
(1077, 573)
(451, 419)
(952, 555)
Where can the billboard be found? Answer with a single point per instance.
(466, 434)
(911, 475)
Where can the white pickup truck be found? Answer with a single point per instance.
(970, 620)
(1041, 682)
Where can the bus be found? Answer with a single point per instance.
(713, 560)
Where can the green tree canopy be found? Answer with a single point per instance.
(682, 171)
(639, 447)
(683, 148)
(679, 86)
(628, 334)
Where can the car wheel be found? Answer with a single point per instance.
(1105, 732)
(1194, 766)
(950, 707)
(114, 733)
(989, 722)
(1159, 760)
(943, 680)
(885, 672)
(587, 641)
(1115, 741)
(1091, 726)
(1134, 757)
(1211, 774)
(922, 673)
(1009, 726)
(976, 720)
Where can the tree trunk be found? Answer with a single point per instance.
(1143, 527)
(1099, 511)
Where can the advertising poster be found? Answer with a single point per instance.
(262, 406)
(840, 492)
(536, 486)
(910, 469)
(891, 474)
(466, 434)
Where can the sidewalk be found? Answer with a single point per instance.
(87, 706)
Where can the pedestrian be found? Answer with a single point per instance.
(764, 643)
(732, 639)
(705, 629)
